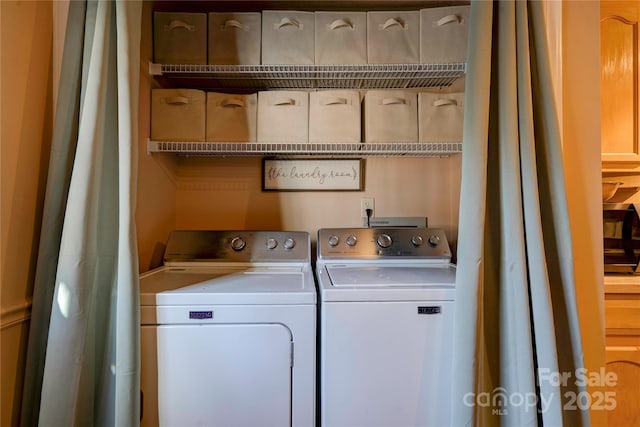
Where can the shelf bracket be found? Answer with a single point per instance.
(155, 69)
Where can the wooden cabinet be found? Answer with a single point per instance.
(619, 82)
(622, 319)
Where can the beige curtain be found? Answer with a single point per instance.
(516, 325)
(83, 355)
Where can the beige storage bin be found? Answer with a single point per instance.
(234, 38)
(391, 116)
(231, 118)
(440, 116)
(393, 37)
(341, 37)
(287, 37)
(334, 116)
(283, 116)
(177, 115)
(179, 38)
(443, 34)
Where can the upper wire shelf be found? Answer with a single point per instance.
(288, 149)
(369, 76)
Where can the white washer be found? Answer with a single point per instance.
(228, 331)
(386, 322)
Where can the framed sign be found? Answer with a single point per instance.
(312, 175)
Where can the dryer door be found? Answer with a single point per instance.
(224, 375)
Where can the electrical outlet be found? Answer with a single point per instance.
(367, 203)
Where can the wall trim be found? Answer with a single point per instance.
(15, 315)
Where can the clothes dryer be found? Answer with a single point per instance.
(228, 331)
(386, 322)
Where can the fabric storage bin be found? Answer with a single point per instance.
(180, 38)
(393, 37)
(440, 116)
(390, 116)
(234, 38)
(283, 116)
(287, 37)
(334, 116)
(231, 118)
(341, 38)
(443, 34)
(177, 115)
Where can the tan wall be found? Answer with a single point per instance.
(581, 137)
(25, 133)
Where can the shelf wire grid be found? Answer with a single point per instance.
(366, 76)
(290, 149)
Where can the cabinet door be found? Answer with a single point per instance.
(624, 361)
(619, 81)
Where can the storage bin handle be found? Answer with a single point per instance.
(442, 102)
(233, 23)
(285, 101)
(334, 101)
(178, 100)
(393, 101)
(231, 103)
(179, 24)
(288, 21)
(340, 23)
(448, 19)
(392, 22)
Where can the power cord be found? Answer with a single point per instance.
(369, 212)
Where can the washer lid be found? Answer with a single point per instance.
(391, 276)
(210, 286)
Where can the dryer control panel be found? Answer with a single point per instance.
(237, 246)
(381, 243)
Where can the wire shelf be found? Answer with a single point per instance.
(369, 76)
(287, 149)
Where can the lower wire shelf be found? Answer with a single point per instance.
(289, 149)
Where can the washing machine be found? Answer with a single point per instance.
(228, 331)
(385, 328)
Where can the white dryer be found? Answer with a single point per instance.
(386, 322)
(228, 331)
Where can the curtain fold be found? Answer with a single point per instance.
(83, 354)
(516, 323)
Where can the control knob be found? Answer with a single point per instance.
(271, 243)
(351, 240)
(434, 240)
(289, 243)
(417, 240)
(384, 240)
(333, 240)
(238, 243)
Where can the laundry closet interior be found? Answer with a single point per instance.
(224, 190)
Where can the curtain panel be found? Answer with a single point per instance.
(516, 326)
(83, 354)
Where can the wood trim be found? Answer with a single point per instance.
(15, 315)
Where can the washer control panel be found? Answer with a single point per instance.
(237, 246)
(376, 243)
